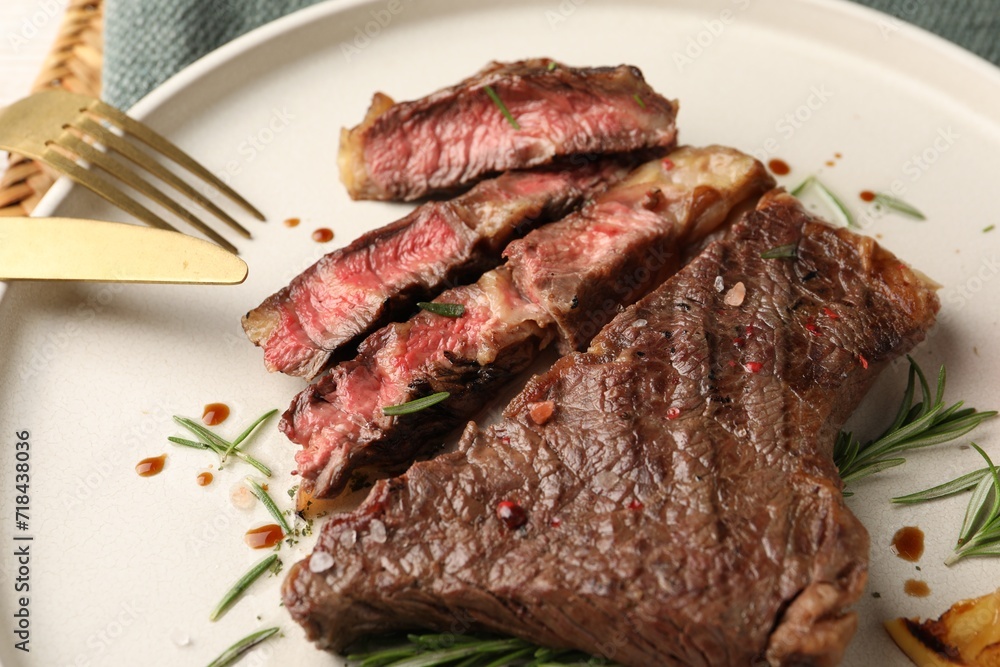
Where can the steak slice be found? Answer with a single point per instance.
(458, 135)
(612, 252)
(681, 504)
(353, 290)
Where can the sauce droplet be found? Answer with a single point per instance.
(322, 235)
(831, 163)
(916, 589)
(264, 537)
(838, 155)
(151, 466)
(292, 222)
(215, 413)
(867, 195)
(779, 167)
(908, 543)
(205, 478)
(512, 514)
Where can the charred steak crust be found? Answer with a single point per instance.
(459, 135)
(565, 280)
(352, 291)
(682, 504)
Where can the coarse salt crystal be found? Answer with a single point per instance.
(376, 531)
(541, 412)
(638, 324)
(320, 561)
(720, 284)
(735, 295)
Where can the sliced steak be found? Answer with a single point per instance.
(680, 501)
(353, 290)
(458, 135)
(576, 272)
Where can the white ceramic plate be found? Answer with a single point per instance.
(124, 570)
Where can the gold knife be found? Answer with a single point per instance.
(91, 250)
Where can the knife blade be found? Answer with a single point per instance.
(92, 250)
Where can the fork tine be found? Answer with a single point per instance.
(94, 129)
(103, 188)
(75, 144)
(164, 146)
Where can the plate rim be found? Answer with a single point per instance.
(261, 35)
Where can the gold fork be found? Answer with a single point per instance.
(60, 129)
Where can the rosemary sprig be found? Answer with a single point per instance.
(416, 405)
(233, 653)
(240, 586)
(980, 533)
(240, 454)
(445, 309)
(927, 423)
(222, 447)
(899, 206)
(790, 251)
(268, 502)
(246, 433)
(827, 195)
(466, 651)
(503, 107)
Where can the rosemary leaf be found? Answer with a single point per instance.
(835, 204)
(980, 533)
(989, 228)
(781, 252)
(929, 422)
(803, 186)
(416, 405)
(827, 195)
(638, 100)
(188, 443)
(957, 485)
(246, 434)
(503, 107)
(265, 498)
(233, 653)
(445, 309)
(240, 586)
(898, 205)
(434, 650)
(552, 65)
(218, 444)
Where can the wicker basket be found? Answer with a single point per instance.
(73, 63)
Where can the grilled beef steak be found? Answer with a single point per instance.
(679, 499)
(353, 290)
(459, 135)
(569, 277)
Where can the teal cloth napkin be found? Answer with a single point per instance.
(146, 41)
